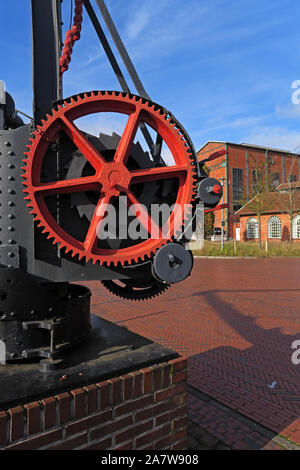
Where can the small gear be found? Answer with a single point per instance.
(109, 179)
(134, 289)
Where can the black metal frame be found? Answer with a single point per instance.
(46, 51)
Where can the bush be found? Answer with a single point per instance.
(245, 249)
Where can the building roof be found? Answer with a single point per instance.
(259, 147)
(273, 202)
(286, 186)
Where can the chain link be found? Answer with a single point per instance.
(72, 36)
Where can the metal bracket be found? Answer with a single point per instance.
(55, 327)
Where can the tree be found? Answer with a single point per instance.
(209, 217)
(209, 222)
(289, 204)
(260, 200)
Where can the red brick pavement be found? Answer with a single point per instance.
(236, 319)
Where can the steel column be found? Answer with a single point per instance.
(47, 42)
(2, 103)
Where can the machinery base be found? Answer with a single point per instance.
(109, 351)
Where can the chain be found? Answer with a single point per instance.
(72, 36)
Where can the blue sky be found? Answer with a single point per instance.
(224, 68)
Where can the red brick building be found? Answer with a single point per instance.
(275, 223)
(238, 170)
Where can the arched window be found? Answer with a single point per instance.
(252, 228)
(274, 227)
(296, 226)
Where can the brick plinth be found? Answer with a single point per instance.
(145, 409)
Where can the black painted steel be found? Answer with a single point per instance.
(206, 192)
(154, 149)
(172, 263)
(122, 50)
(40, 319)
(46, 42)
(109, 352)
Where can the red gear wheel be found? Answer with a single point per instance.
(112, 177)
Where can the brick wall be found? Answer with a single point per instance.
(285, 228)
(237, 159)
(145, 409)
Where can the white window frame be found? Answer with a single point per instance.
(252, 232)
(296, 227)
(274, 227)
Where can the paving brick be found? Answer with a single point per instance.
(3, 427)
(109, 428)
(33, 417)
(79, 407)
(92, 398)
(72, 443)
(127, 386)
(35, 443)
(117, 386)
(88, 422)
(137, 383)
(235, 320)
(134, 431)
(134, 405)
(64, 407)
(105, 394)
(16, 423)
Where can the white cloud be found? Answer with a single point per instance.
(291, 111)
(140, 20)
(105, 123)
(276, 137)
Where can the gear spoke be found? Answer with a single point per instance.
(144, 217)
(83, 144)
(150, 174)
(94, 229)
(67, 186)
(126, 142)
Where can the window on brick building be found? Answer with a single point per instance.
(275, 181)
(257, 177)
(296, 227)
(237, 188)
(292, 178)
(252, 228)
(274, 227)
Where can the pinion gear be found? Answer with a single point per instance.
(134, 289)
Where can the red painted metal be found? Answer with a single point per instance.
(110, 178)
(217, 208)
(217, 189)
(72, 36)
(215, 155)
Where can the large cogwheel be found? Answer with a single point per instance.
(108, 179)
